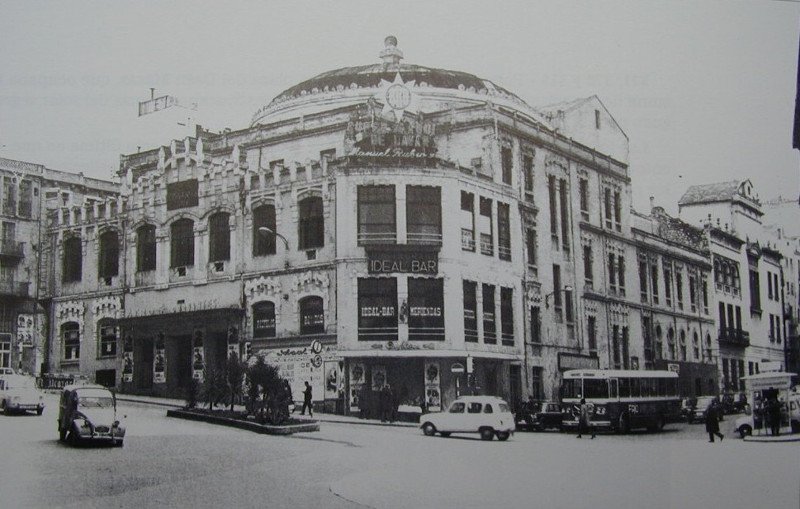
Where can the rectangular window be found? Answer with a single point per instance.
(503, 231)
(755, 290)
(557, 303)
(72, 343)
(617, 211)
(467, 221)
(26, 198)
(377, 223)
(264, 230)
(668, 286)
(537, 383)
(424, 215)
(568, 313)
(182, 243)
(621, 274)
(219, 248)
(9, 196)
(654, 280)
(615, 346)
(551, 189)
(264, 320)
(588, 274)
(643, 280)
(584, 192)
(530, 246)
(311, 224)
(426, 309)
(693, 293)
(377, 309)
(507, 316)
(625, 348)
(73, 260)
(564, 202)
(527, 167)
(109, 255)
(591, 334)
(108, 341)
(506, 162)
(679, 287)
(536, 325)
(612, 272)
(607, 206)
(470, 311)
(312, 315)
(489, 330)
(146, 248)
(485, 227)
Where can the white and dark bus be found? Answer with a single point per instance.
(621, 400)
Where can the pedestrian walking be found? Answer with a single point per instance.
(363, 402)
(584, 425)
(712, 421)
(774, 413)
(307, 401)
(387, 403)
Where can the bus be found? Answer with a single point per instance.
(621, 400)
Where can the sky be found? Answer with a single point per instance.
(704, 89)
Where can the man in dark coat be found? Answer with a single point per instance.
(712, 421)
(307, 401)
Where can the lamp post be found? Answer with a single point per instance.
(263, 230)
(566, 288)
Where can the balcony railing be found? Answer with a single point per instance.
(11, 248)
(734, 337)
(10, 287)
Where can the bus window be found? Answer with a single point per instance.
(624, 387)
(595, 389)
(612, 387)
(572, 388)
(644, 386)
(636, 390)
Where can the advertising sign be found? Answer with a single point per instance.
(127, 359)
(160, 360)
(378, 377)
(356, 383)
(433, 393)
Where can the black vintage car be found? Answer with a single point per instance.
(539, 415)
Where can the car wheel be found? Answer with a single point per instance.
(503, 435)
(429, 429)
(487, 433)
(445, 433)
(745, 431)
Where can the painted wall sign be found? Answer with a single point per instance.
(183, 194)
(409, 262)
(572, 361)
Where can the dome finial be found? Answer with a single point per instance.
(390, 54)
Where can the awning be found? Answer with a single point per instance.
(408, 354)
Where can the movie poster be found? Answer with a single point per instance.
(432, 390)
(356, 383)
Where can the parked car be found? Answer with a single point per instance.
(755, 419)
(687, 407)
(89, 413)
(539, 416)
(488, 415)
(734, 403)
(18, 393)
(698, 412)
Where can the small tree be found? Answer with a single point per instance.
(234, 372)
(264, 389)
(214, 385)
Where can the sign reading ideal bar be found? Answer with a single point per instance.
(404, 261)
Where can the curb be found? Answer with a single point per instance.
(264, 429)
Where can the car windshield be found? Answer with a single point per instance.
(503, 407)
(95, 402)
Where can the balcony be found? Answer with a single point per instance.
(734, 337)
(11, 287)
(11, 248)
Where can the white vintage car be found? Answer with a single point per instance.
(486, 415)
(18, 393)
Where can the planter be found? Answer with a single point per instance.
(250, 425)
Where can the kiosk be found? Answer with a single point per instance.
(766, 391)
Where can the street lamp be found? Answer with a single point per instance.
(263, 230)
(566, 288)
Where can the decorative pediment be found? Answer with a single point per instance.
(261, 287)
(69, 311)
(107, 307)
(311, 281)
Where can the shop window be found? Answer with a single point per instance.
(470, 311)
(73, 260)
(424, 215)
(377, 309)
(489, 328)
(146, 248)
(264, 320)
(219, 242)
(182, 243)
(264, 242)
(312, 315)
(426, 309)
(109, 255)
(71, 341)
(507, 316)
(377, 222)
(107, 342)
(311, 227)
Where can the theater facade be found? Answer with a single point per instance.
(387, 223)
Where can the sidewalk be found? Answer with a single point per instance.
(318, 416)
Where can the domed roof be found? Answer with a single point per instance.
(358, 82)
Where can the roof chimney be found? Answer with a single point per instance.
(652, 203)
(390, 54)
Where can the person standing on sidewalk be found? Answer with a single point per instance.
(712, 421)
(307, 401)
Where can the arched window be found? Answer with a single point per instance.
(73, 260)
(311, 226)
(182, 243)
(109, 255)
(71, 341)
(219, 244)
(264, 320)
(146, 248)
(312, 315)
(263, 242)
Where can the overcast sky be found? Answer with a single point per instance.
(704, 89)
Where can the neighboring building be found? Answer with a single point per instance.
(32, 197)
(748, 278)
